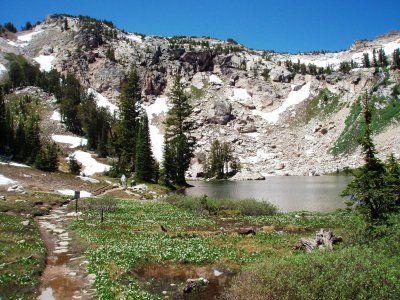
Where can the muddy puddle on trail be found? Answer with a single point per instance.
(63, 277)
(171, 279)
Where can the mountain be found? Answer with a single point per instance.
(283, 114)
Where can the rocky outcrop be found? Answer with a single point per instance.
(239, 96)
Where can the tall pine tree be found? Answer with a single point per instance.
(144, 162)
(129, 104)
(368, 188)
(396, 59)
(179, 143)
(3, 124)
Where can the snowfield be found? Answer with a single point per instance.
(5, 180)
(28, 37)
(157, 139)
(215, 79)
(102, 101)
(83, 194)
(14, 164)
(45, 62)
(388, 48)
(332, 60)
(135, 38)
(2, 69)
(56, 116)
(294, 97)
(240, 94)
(89, 164)
(74, 141)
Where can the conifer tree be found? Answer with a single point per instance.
(3, 124)
(73, 166)
(382, 59)
(144, 163)
(396, 59)
(374, 61)
(129, 104)
(393, 180)
(32, 140)
(47, 158)
(179, 143)
(368, 188)
(366, 62)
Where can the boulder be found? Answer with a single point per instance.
(247, 175)
(280, 74)
(16, 188)
(220, 112)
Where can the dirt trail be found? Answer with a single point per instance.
(65, 275)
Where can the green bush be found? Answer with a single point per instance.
(360, 271)
(249, 207)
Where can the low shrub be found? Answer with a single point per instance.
(248, 207)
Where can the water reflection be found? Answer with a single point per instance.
(289, 193)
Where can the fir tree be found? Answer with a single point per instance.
(32, 140)
(367, 190)
(73, 166)
(3, 124)
(69, 107)
(374, 61)
(129, 103)
(144, 163)
(366, 62)
(393, 180)
(179, 143)
(47, 158)
(396, 59)
(382, 59)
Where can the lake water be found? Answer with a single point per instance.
(288, 193)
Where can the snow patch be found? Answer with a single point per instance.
(332, 60)
(12, 43)
(294, 97)
(56, 116)
(89, 164)
(14, 164)
(253, 134)
(89, 179)
(240, 94)
(135, 38)
(74, 141)
(5, 180)
(2, 69)
(45, 62)
(215, 79)
(102, 101)
(28, 37)
(83, 194)
(157, 139)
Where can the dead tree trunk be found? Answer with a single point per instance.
(323, 240)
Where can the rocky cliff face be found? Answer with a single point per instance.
(278, 122)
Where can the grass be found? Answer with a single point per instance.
(22, 251)
(321, 106)
(34, 204)
(204, 204)
(22, 257)
(384, 112)
(356, 270)
(131, 238)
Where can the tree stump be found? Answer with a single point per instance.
(323, 240)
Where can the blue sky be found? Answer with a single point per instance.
(280, 25)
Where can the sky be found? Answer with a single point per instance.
(279, 25)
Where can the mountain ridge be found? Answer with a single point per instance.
(238, 90)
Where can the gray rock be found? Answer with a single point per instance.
(220, 112)
(16, 189)
(25, 223)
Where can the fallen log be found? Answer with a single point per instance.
(323, 240)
